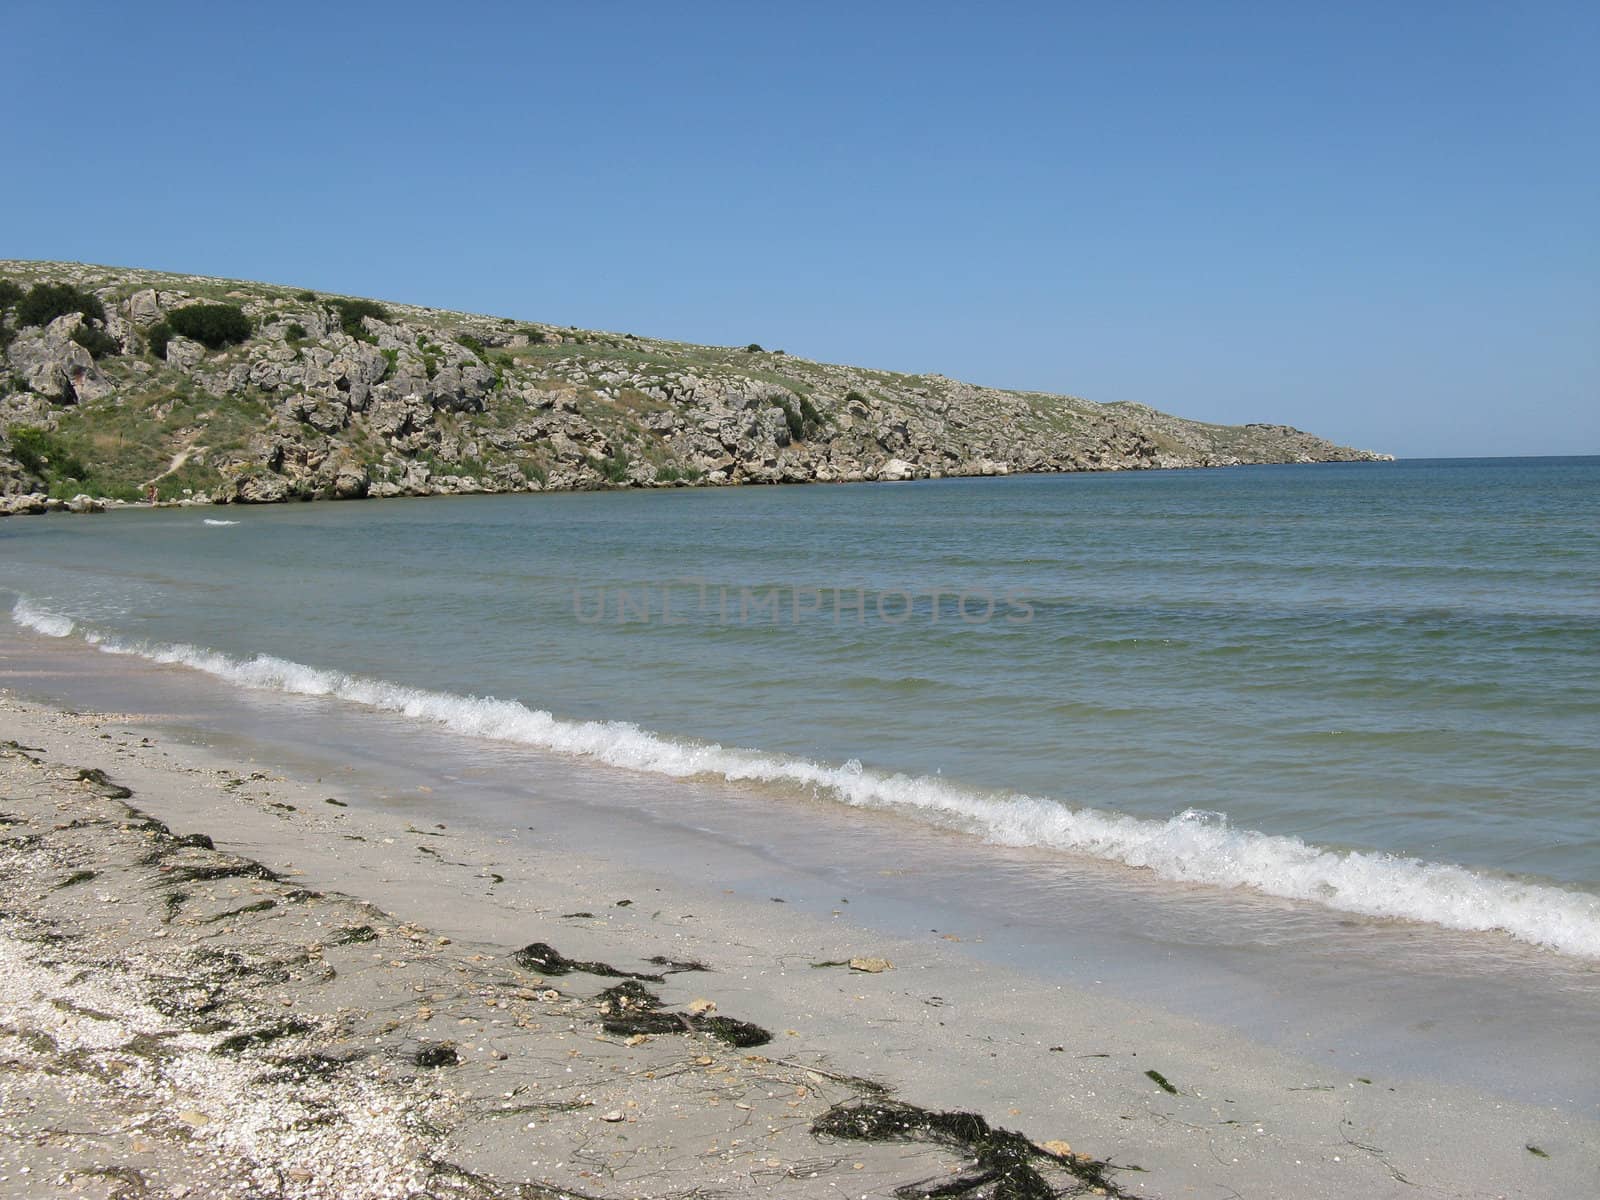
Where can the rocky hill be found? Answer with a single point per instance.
(117, 382)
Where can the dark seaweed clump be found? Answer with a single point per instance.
(545, 959)
(243, 869)
(240, 1042)
(630, 1008)
(302, 1068)
(102, 785)
(1006, 1165)
(436, 1054)
(671, 966)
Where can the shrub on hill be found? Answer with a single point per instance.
(350, 313)
(10, 293)
(44, 302)
(212, 325)
(41, 454)
(96, 341)
(803, 421)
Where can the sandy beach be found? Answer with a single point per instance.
(233, 981)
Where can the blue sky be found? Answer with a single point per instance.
(1380, 222)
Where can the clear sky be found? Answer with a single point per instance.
(1377, 221)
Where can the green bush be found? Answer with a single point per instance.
(855, 397)
(44, 302)
(535, 336)
(306, 297)
(351, 312)
(10, 293)
(96, 341)
(212, 325)
(803, 421)
(753, 348)
(41, 453)
(471, 343)
(795, 422)
(157, 337)
(296, 332)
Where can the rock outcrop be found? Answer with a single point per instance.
(334, 398)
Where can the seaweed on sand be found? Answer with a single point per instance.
(447, 1181)
(1006, 1164)
(1161, 1081)
(242, 869)
(242, 910)
(671, 966)
(545, 959)
(630, 1008)
(238, 1043)
(301, 1068)
(431, 1055)
(100, 783)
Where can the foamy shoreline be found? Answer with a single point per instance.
(1192, 847)
(941, 1029)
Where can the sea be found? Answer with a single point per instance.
(1139, 725)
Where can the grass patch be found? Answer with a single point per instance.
(613, 468)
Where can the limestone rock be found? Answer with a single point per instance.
(261, 488)
(183, 353)
(52, 365)
(897, 469)
(351, 482)
(144, 308)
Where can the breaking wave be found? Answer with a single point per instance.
(1192, 847)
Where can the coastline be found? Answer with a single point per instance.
(297, 395)
(939, 1028)
(26, 504)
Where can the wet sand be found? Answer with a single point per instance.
(244, 1038)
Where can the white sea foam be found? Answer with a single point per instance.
(31, 616)
(1193, 847)
(214, 521)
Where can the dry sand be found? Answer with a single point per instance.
(328, 1002)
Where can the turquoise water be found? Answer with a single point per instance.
(1365, 686)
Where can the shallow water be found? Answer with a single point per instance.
(1356, 996)
(1364, 687)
